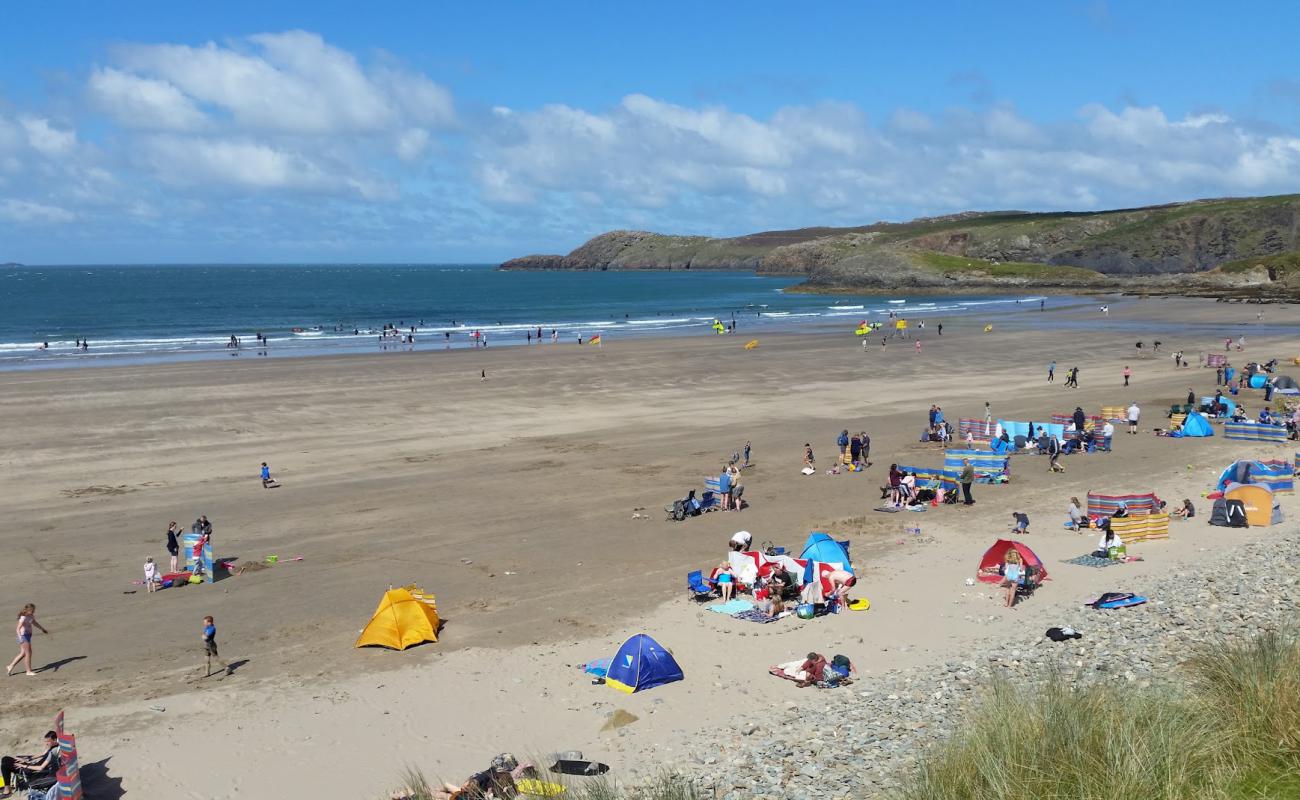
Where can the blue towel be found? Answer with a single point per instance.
(731, 607)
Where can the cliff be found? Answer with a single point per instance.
(1204, 245)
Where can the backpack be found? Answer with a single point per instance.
(840, 664)
(1063, 634)
(1236, 511)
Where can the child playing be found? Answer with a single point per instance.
(210, 645)
(808, 459)
(150, 575)
(266, 476)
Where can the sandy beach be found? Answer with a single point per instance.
(515, 500)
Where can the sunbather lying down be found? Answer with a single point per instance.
(816, 670)
(494, 783)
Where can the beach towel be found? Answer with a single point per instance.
(1090, 560)
(1117, 600)
(731, 607)
(887, 509)
(599, 667)
(754, 615)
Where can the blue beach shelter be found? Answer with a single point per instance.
(823, 548)
(642, 663)
(1197, 425)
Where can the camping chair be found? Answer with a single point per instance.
(701, 588)
(1031, 582)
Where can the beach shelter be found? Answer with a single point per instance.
(1276, 475)
(1197, 425)
(1285, 384)
(989, 466)
(1105, 505)
(822, 548)
(1141, 527)
(996, 554)
(642, 663)
(1254, 432)
(405, 617)
(1262, 509)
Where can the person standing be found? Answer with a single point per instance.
(724, 488)
(266, 476)
(23, 631)
(173, 546)
(1133, 413)
(1051, 372)
(1191, 397)
(1107, 434)
(210, 645)
(1127, 374)
(988, 413)
(747, 448)
(966, 478)
(1054, 454)
(941, 329)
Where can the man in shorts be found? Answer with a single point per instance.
(210, 645)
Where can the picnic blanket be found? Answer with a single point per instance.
(754, 615)
(1090, 560)
(731, 607)
(790, 671)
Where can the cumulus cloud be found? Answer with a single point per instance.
(138, 102)
(828, 159)
(292, 82)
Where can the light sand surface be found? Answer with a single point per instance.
(513, 500)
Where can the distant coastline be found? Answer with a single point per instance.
(1243, 248)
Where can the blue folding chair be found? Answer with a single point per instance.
(700, 588)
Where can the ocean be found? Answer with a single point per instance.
(130, 314)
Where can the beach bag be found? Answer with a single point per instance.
(804, 611)
(1063, 634)
(1236, 513)
(841, 665)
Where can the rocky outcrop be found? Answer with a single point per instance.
(1124, 249)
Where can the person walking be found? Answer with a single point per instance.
(966, 478)
(1133, 413)
(266, 476)
(26, 621)
(210, 645)
(941, 329)
(1127, 374)
(1051, 372)
(1072, 378)
(1054, 454)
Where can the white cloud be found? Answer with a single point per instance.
(826, 163)
(194, 161)
(292, 82)
(137, 102)
(26, 211)
(45, 138)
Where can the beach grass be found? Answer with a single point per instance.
(1230, 730)
(667, 786)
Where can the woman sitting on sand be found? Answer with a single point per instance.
(1109, 539)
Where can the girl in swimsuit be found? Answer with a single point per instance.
(23, 632)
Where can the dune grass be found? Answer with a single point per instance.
(945, 263)
(1231, 730)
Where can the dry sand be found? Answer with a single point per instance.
(513, 499)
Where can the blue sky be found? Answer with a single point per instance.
(249, 132)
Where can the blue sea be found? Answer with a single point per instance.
(130, 314)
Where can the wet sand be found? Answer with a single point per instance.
(513, 500)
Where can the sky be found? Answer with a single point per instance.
(251, 132)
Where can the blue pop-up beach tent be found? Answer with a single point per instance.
(642, 663)
(1197, 425)
(823, 548)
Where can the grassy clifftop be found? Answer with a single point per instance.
(1068, 249)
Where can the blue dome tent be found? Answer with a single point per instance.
(642, 663)
(823, 548)
(1197, 425)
